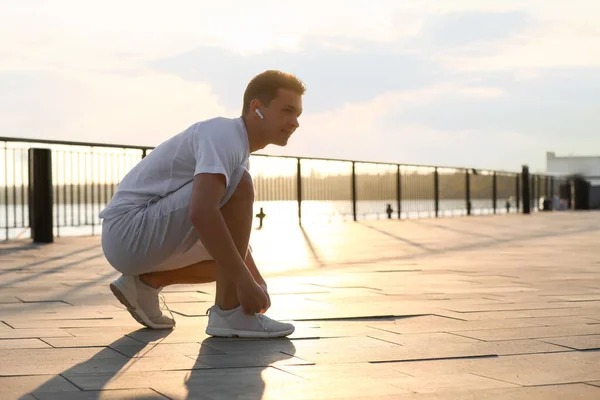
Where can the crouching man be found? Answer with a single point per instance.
(183, 214)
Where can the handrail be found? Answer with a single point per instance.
(144, 148)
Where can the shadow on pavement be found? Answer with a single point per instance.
(238, 373)
(225, 368)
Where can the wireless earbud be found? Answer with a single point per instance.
(259, 113)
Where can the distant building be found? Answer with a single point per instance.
(587, 167)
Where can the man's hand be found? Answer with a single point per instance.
(252, 297)
(264, 288)
(251, 265)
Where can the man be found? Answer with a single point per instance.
(184, 213)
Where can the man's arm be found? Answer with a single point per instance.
(258, 278)
(254, 269)
(207, 192)
(206, 217)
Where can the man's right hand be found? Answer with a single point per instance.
(251, 296)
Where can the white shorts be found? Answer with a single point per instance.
(158, 236)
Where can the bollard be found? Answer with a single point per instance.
(261, 215)
(389, 211)
(40, 195)
(525, 188)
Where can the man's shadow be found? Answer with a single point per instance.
(238, 372)
(95, 374)
(224, 368)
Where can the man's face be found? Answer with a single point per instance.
(281, 116)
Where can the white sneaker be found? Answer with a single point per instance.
(141, 301)
(235, 322)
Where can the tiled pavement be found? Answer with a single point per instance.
(489, 307)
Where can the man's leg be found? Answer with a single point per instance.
(237, 213)
(193, 265)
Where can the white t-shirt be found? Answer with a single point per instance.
(218, 145)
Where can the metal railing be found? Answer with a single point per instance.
(304, 189)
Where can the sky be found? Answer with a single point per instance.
(468, 83)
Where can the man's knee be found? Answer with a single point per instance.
(245, 189)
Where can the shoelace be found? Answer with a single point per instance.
(261, 319)
(162, 298)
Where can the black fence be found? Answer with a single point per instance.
(84, 176)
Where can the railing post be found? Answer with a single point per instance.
(526, 195)
(143, 153)
(468, 191)
(436, 191)
(494, 191)
(299, 189)
(40, 195)
(353, 190)
(539, 192)
(518, 192)
(399, 191)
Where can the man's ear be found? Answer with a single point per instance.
(254, 105)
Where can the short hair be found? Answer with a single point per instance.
(265, 86)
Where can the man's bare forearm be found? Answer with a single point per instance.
(214, 235)
(251, 265)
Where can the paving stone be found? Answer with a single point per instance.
(178, 335)
(51, 361)
(501, 315)
(434, 323)
(201, 383)
(420, 339)
(70, 323)
(565, 320)
(394, 354)
(133, 380)
(171, 362)
(13, 387)
(51, 312)
(584, 342)
(20, 308)
(521, 346)
(145, 394)
(22, 344)
(32, 333)
(229, 346)
(532, 332)
(449, 382)
(507, 307)
(591, 357)
(341, 388)
(154, 349)
(341, 381)
(116, 331)
(551, 392)
(526, 370)
(8, 299)
(254, 359)
(261, 383)
(100, 340)
(187, 297)
(191, 309)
